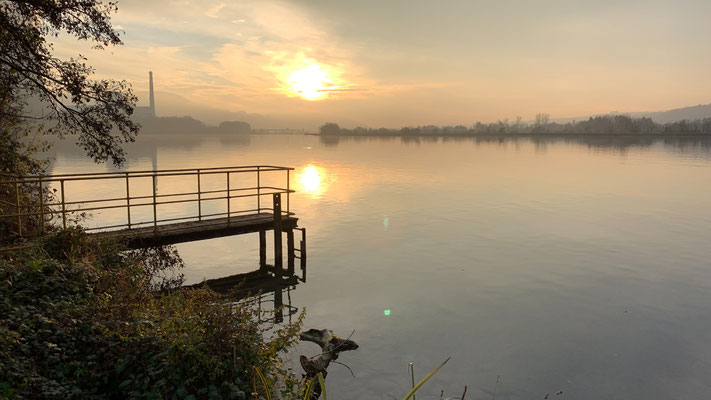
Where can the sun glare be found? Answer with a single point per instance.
(310, 82)
(312, 180)
(297, 75)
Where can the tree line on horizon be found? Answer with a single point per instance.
(607, 124)
(189, 125)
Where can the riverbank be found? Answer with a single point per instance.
(82, 318)
(605, 125)
(518, 135)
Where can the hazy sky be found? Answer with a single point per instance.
(395, 63)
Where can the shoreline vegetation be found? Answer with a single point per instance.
(82, 318)
(618, 125)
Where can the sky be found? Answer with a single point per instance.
(405, 63)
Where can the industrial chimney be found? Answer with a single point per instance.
(152, 105)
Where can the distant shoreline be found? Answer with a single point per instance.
(537, 135)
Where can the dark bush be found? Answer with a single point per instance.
(82, 319)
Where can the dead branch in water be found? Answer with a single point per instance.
(330, 345)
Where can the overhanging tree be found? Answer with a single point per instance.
(96, 111)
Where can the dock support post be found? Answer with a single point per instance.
(262, 249)
(278, 261)
(290, 252)
(278, 305)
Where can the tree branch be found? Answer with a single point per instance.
(330, 345)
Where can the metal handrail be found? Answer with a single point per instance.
(64, 206)
(68, 203)
(160, 172)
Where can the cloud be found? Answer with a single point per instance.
(214, 11)
(196, 50)
(433, 62)
(269, 41)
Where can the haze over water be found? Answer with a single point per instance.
(560, 265)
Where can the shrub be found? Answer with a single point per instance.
(83, 319)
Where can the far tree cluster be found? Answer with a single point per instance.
(190, 125)
(608, 124)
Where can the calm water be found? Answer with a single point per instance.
(579, 266)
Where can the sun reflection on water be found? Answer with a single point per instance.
(312, 180)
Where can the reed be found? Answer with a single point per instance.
(309, 388)
(412, 377)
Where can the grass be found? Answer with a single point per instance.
(309, 388)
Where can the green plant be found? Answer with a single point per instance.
(309, 384)
(417, 387)
(80, 318)
(412, 377)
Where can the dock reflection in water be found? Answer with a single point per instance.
(267, 288)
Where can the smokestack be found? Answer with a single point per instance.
(150, 89)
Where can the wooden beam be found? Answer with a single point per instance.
(262, 249)
(278, 261)
(290, 251)
(196, 230)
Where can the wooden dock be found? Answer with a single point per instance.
(211, 194)
(181, 232)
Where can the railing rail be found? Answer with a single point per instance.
(66, 204)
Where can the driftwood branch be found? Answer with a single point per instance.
(330, 345)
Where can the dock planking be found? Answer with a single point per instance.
(189, 231)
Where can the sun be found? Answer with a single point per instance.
(310, 82)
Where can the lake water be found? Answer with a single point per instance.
(579, 265)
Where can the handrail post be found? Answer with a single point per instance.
(288, 173)
(199, 197)
(278, 262)
(19, 210)
(128, 202)
(228, 198)
(259, 191)
(64, 206)
(155, 210)
(41, 198)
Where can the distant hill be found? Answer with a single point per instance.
(700, 111)
(691, 113)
